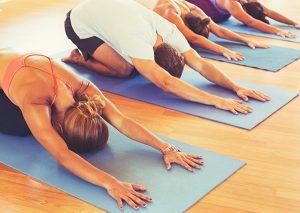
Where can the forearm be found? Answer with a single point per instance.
(205, 43)
(216, 76)
(162, 79)
(135, 131)
(263, 27)
(190, 93)
(229, 35)
(37, 117)
(83, 169)
(210, 71)
(280, 18)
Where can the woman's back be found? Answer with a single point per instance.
(34, 75)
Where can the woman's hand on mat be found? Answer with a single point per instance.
(122, 191)
(187, 161)
(245, 93)
(234, 106)
(253, 45)
(286, 34)
(230, 55)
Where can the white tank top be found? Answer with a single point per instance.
(150, 4)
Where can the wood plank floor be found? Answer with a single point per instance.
(269, 183)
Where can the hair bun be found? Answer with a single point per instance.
(206, 21)
(91, 107)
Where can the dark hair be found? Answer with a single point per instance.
(255, 10)
(169, 59)
(83, 128)
(197, 24)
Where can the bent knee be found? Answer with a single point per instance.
(125, 71)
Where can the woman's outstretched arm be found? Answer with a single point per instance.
(137, 132)
(38, 118)
(279, 17)
(229, 35)
(236, 10)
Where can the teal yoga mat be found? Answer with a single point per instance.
(236, 26)
(272, 59)
(172, 191)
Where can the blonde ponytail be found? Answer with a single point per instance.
(83, 127)
(91, 107)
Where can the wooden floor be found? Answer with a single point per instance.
(269, 183)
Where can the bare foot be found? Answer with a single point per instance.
(74, 57)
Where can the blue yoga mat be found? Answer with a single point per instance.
(172, 191)
(236, 26)
(139, 88)
(258, 58)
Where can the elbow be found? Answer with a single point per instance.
(166, 84)
(220, 32)
(196, 39)
(62, 156)
(251, 23)
(193, 39)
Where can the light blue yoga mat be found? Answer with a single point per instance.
(272, 59)
(236, 26)
(172, 191)
(139, 88)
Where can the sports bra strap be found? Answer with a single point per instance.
(55, 86)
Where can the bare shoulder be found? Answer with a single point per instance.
(70, 77)
(6, 56)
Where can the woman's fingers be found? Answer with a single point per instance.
(234, 56)
(196, 156)
(233, 111)
(240, 107)
(168, 164)
(251, 45)
(262, 95)
(227, 56)
(143, 197)
(137, 187)
(130, 202)
(191, 163)
(254, 94)
(185, 165)
(243, 96)
(201, 163)
(118, 200)
(240, 56)
(238, 101)
(264, 46)
(137, 200)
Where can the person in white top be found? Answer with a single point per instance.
(150, 4)
(116, 36)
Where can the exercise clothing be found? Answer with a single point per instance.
(20, 62)
(150, 4)
(87, 46)
(12, 121)
(212, 9)
(126, 26)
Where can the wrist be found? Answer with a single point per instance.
(107, 182)
(278, 31)
(247, 41)
(163, 147)
(224, 50)
(235, 88)
(215, 101)
(170, 148)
